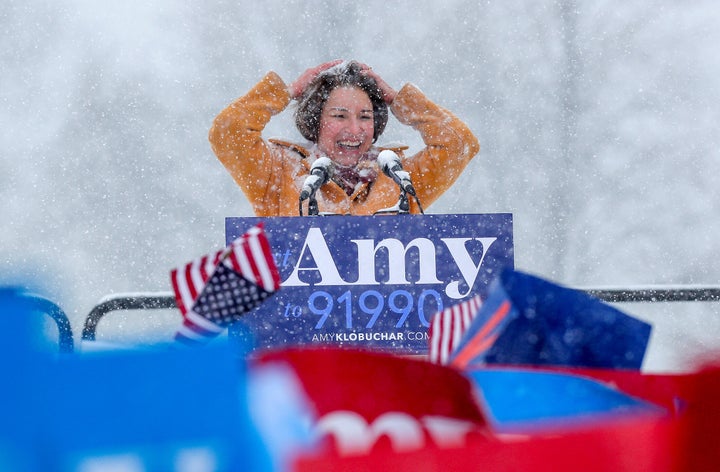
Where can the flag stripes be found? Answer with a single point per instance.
(248, 275)
(448, 326)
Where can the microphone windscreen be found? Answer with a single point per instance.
(387, 158)
(321, 163)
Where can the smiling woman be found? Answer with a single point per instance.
(346, 126)
(342, 111)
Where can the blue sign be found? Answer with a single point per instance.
(159, 408)
(372, 281)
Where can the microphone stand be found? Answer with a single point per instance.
(313, 206)
(313, 209)
(417, 200)
(403, 203)
(402, 207)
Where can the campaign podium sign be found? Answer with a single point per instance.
(372, 281)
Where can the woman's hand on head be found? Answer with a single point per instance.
(297, 88)
(387, 91)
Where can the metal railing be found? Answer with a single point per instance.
(656, 294)
(65, 334)
(35, 303)
(166, 300)
(153, 301)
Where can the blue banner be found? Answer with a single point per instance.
(372, 281)
(527, 320)
(523, 400)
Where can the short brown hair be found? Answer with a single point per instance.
(312, 101)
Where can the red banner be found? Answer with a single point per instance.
(369, 400)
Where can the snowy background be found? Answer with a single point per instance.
(598, 123)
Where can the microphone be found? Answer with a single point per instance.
(389, 162)
(319, 176)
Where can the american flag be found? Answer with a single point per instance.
(448, 326)
(215, 290)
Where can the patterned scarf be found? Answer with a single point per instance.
(350, 177)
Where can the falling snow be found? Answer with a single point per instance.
(597, 124)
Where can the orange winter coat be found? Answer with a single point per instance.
(271, 173)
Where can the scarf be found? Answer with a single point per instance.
(350, 177)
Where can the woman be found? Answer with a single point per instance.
(342, 111)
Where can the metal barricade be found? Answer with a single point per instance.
(166, 300)
(34, 303)
(160, 300)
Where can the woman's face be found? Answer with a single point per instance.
(346, 125)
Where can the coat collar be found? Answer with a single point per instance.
(308, 153)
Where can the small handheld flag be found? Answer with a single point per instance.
(215, 290)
